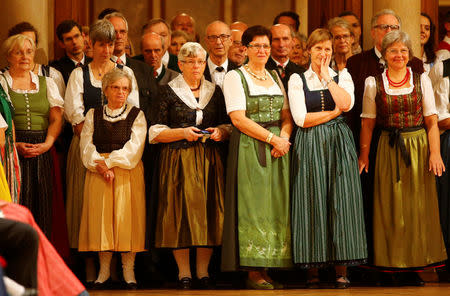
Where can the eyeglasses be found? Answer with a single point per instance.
(237, 43)
(259, 46)
(222, 37)
(192, 63)
(385, 27)
(396, 51)
(118, 88)
(343, 37)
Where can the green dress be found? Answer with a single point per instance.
(257, 213)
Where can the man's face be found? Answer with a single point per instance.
(281, 41)
(218, 39)
(152, 49)
(163, 31)
(288, 21)
(121, 35)
(184, 23)
(73, 42)
(236, 53)
(385, 24)
(356, 26)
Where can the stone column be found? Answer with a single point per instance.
(37, 12)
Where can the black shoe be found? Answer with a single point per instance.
(340, 284)
(205, 283)
(106, 285)
(131, 286)
(185, 283)
(313, 283)
(411, 279)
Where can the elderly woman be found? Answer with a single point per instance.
(112, 143)
(401, 104)
(9, 156)
(298, 54)
(327, 214)
(427, 43)
(343, 38)
(178, 39)
(29, 30)
(190, 123)
(257, 232)
(38, 109)
(84, 91)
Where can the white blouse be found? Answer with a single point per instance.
(53, 96)
(234, 93)
(127, 157)
(57, 78)
(441, 90)
(369, 109)
(297, 95)
(73, 103)
(3, 123)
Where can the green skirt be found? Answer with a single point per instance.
(327, 212)
(257, 214)
(406, 227)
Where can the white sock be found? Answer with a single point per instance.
(128, 267)
(105, 265)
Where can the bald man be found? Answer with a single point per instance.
(238, 25)
(236, 53)
(218, 42)
(186, 23)
(152, 50)
(279, 56)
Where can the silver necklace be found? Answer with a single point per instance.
(262, 78)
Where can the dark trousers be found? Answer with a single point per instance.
(19, 244)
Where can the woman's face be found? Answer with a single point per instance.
(397, 56)
(117, 92)
(21, 58)
(342, 40)
(193, 67)
(320, 51)
(102, 50)
(176, 44)
(425, 28)
(258, 51)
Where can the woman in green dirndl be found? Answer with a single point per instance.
(327, 214)
(257, 213)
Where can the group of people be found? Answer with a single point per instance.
(283, 151)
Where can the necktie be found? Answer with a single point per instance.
(79, 64)
(281, 71)
(219, 69)
(119, 61)
(155, 74)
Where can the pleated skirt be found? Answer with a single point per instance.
(406, 227)
(191, 191)
(327, 211)
(113, 215)
(443, 184)
(75, 176)
(37, 181)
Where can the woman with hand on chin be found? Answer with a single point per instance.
(401, 103)
(190, 170)
(112, 143)
(327, 214)
(257, 232)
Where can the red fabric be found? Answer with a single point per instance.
(3, 263)
(59, 237)
(444, 45)
(54, 277)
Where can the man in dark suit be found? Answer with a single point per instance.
(152, 50)
(160, 27)
(218, 42)
(369, 63)
(147, 85)
(279, 55)
(72, 40)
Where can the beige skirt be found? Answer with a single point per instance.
(113, 216)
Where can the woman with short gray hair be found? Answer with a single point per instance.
(343, 38)
(400, 103)
(84, 91)
(190, 124)
(112, 143)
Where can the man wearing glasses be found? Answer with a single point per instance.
(218, 42)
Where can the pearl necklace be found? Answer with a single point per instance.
(262, 78)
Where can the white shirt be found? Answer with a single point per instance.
(165, 58)
(127, 157)
(57, 78)
(73, 104)
(82, 61)
(216, 76)
(3, 123)
(159, 70)
(280, 64)
(441, 90)
(123, 58)
(297, 95)
(53, 96)
(369, 109)
(234, 93)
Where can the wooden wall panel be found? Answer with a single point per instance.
(431, 7)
